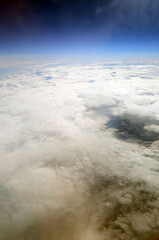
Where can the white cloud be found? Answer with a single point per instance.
(61, 168)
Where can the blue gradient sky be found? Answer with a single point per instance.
(79, 27)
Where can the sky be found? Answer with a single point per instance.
(79, 26)
(79, 139)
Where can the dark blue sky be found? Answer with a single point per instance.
(79, 26)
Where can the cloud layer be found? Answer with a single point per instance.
(74, 163)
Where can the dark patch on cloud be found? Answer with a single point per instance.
(133, 76)
(48, 78)
(38, 73)
(92, 81)
(133, 127)
(155, 170)
(12, 85)
(110, 202)
(104, 110)
(146, 77)
(147, 93)
(127, 198)
(23, 83)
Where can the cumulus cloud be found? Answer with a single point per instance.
(66, 172)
